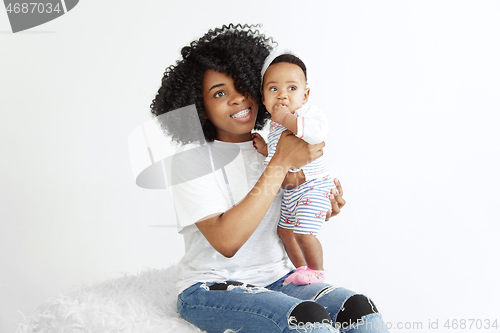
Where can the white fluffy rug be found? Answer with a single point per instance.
(143, 303)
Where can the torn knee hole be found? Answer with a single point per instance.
(230, 285)
(354, 308)
(226, 285)
(323, 292)
(308, 312)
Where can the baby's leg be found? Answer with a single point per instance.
(310, 215)
(312, 250)
(285, 231)
(292, 247)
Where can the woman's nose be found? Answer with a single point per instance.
(237, 98)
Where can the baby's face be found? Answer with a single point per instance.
(284, 87)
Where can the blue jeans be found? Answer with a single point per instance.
(255, 309)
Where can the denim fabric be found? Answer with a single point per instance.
(254, 309)
(332, 298)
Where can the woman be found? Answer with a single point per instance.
(231, 276)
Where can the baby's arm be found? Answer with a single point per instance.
(285, 118)
(259, 144)
(312, 125)
(309, 123)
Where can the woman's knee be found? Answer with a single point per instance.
(354, 309)
(345, 306)
(309, 314)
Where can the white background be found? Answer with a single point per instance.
(412, 91)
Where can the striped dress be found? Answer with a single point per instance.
(304, 207)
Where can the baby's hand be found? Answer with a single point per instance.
(259, 143)
(279, 113)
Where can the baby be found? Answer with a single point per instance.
(304, 207)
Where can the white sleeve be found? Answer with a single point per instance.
(312, 124)
(196, 198)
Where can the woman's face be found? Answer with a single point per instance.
(232, 114)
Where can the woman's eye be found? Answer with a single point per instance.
(219, 94)
(273, 89)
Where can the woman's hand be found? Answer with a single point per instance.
(293, 153)
(336, 199)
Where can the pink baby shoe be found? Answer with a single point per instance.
(308, 276)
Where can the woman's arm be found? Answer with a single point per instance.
(228, 231)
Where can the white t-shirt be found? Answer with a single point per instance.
(262, 259)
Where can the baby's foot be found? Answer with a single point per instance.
(309, 276)
(292, 276)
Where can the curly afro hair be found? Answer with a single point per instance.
(237, 50)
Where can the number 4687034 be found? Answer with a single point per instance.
(33, 7)
(470, 324)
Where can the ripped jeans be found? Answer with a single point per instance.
(236, 307)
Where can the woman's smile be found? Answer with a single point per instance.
(243, 115)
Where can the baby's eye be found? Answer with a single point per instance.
(219, 94)
(292, 88)
(273, 89)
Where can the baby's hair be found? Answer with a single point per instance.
(292, 59)
(236, 50)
